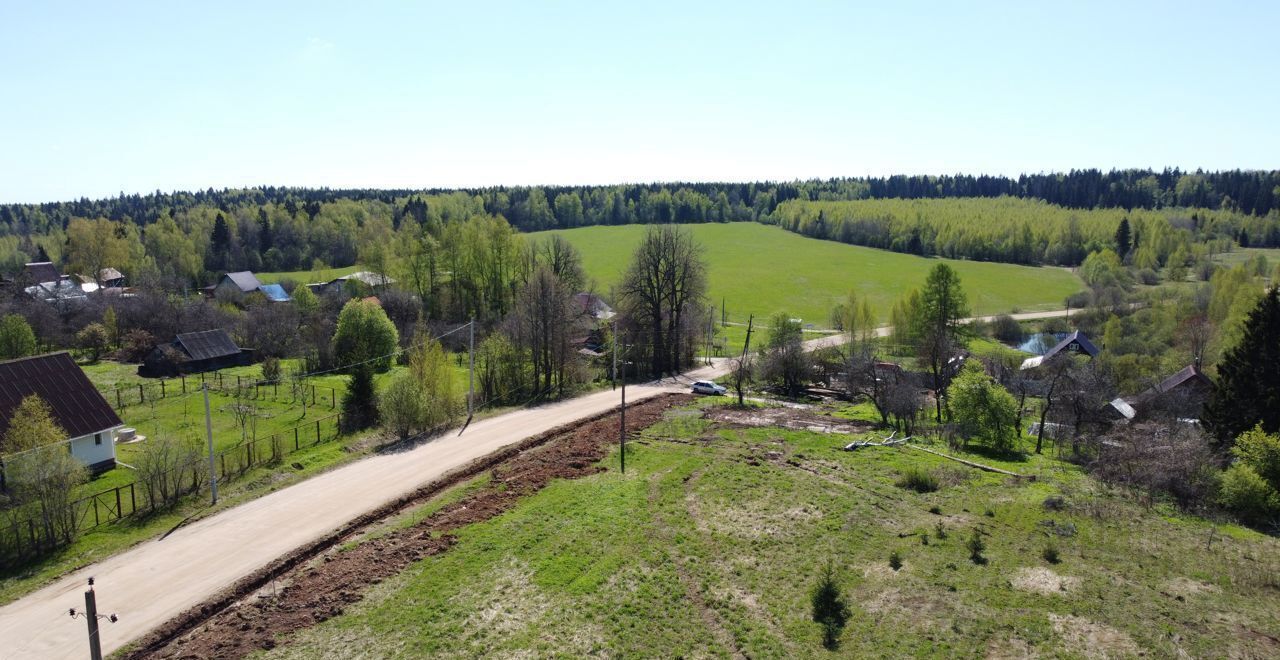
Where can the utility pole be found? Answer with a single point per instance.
(711, 330)
(622, 427)
(615, 352)
(91, 617)
(471, 377)
(743, 360)
(208, 431)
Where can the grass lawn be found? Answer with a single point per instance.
(1241, 255)
(307, 276)
(760, 269)
(712, 541)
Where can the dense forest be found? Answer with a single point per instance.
(193, 235)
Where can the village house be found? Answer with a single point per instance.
(194, 352)
(361, 281)
(1075, 342)
(79, 409)
(242, 284)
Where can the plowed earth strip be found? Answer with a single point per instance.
(320, 582)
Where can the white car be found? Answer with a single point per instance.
(708, 387)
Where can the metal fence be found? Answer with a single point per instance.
(30, 537)
(123, 395)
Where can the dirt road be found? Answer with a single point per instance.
(156, 580)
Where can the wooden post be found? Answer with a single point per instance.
(119, 401)
(184, 383)
(317, 431)
(119, 511)
(142, 398)
(295, 438)
(162, 393)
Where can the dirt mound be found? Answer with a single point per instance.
(1043, 581)
(786, 417)
(1092, 640)
(322, 588)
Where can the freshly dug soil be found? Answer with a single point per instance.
(320, 581)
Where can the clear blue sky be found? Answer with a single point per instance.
(99, 99)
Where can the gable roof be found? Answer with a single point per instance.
(274, 293)
(42, 271)
(367, 277)
(244, 279)
(207, 344)
(107, 274)
(1077, 338)
(77, 405)
(1188, 375)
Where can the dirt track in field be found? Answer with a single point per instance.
(323, 587)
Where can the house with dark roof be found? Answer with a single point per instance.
(88, 420)
(1181, 395)
(194, 352)
(1075, 342)
(39, 272)
(244, 283)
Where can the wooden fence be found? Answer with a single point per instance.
(29, 538)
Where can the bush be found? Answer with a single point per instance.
(895, 558)
(830, 610)
(940, 530)
(1006, 329)
(1148, 277)
(17, 340)
(94, 339)
(271, 370)
(919, 480)
(136, 344)
(1246, 493)
(976, 547)
(1050, 552)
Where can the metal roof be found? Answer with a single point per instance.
(274, 293)
(207, 344)
(364, 276)
(43, 271)
(77, 405)
(246, 280)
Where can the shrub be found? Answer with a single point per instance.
(1148, 277)
(1245, 492)
(136, 344)
(940, 530)
(94, 339)
(976, 547)
(1006, 329)
(271, 370)
(935, 510)
(895, 559)
(17, 340)
(1054, 503)
(919, 480)
(830, 610)
(1050, 552)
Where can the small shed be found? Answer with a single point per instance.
(77, 406)
(194, 352)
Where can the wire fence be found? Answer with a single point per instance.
(23, 538)
(123, 395)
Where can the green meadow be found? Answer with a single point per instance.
(762, 270)
(710, 545)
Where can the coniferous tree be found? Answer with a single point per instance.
(1123, 243)
(359, 405)
(1248, 392)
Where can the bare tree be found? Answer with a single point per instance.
(163, 466)
(543, 324)
(663, 286)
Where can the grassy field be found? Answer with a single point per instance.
(712, 541)
(762, 270)
(1241, 255)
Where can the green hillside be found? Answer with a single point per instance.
(761, 269)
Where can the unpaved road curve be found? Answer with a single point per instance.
(156, 580)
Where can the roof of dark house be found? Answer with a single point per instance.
(244, 279)
(1188, 375)
(42, 271)
(207, 344)
(1079, 339)
(77, 405)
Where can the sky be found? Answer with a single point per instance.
(101, 98)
